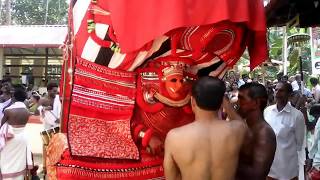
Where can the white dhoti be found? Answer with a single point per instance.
(16, 156)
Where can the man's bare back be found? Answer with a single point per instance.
(17, 116)
(205, 149)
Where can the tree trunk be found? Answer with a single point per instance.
(8, 12)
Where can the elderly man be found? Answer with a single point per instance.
(289, 127)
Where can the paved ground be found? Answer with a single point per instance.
(33, 129)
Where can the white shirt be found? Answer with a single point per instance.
(3, 105)
(316, 93)
(289, 127)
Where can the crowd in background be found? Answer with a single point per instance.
(34, 94)
(299, 100)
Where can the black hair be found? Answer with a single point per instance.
(245, 76)
(52, 85)
(287, 86)
(20, 94)
(7, 90)
(256, 90)
(6, 80)
(208, 93)
(314, 81)
(279, 76)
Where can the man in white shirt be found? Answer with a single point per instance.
(316, 89)
(239, 81)
(288, 125)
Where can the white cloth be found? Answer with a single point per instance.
(289, 127)
(50, 117)
(42, 90)
(17, 105)
(16, 156)
(295, 85)
(240, 83)
(57, 107)
(316, 93)
(3, 105)
(6, 133)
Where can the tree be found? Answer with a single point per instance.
(33, 12)
(5, 12)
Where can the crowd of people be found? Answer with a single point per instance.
(17, 104)
(242, 129)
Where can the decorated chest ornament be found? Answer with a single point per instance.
(166, 81)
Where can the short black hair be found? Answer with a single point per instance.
(314, 81)
(245, 76)
(256, 90)
(20, 94)
(287, 86)
(6, 80)
(52, 85)
(208, 92)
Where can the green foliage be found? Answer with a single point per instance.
(33, 12)
(275, 41)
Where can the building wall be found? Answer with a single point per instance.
(32, 62)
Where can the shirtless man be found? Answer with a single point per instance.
(50, 111)
(52, 92)
(17, 117)
(209, 147)
(15, 156)
(257, 154)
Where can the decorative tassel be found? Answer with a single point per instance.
(91, 25)
(147, 137)
(137, 131)
(115, 48)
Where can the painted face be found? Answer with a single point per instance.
(174, 85)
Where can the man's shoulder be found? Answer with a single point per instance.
(265, 130)
(238, 126)
(43, 100)
(295, 112)
(178, 131)
(269, 108)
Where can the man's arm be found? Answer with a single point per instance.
(231, 112)
(263, 154)
(171, 169)
(316, 95)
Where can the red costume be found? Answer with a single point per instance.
(131, 68)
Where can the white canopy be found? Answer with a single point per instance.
(32, 36)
